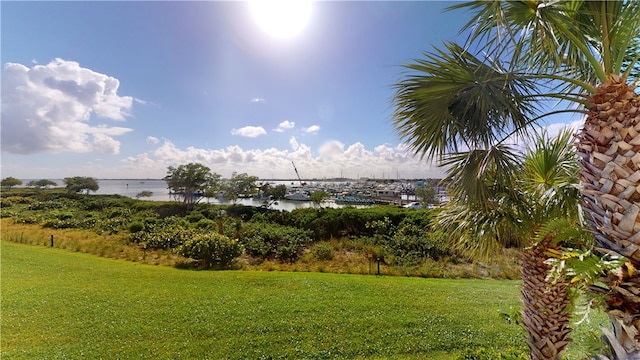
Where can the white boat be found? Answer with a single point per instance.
(297, 196)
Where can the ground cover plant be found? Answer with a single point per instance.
(60, 304)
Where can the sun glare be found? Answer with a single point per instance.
(281, 18)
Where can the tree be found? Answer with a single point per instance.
(144, 193)
(43, 183)
(10, 182)
(584, 53)
(189, 182)
(514, 215)
(319, 196)
(427, 194)
(240, 185)
(278, 192)
(78, 184)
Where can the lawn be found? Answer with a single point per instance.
(59, 304)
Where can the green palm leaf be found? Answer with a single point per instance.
(453, 100)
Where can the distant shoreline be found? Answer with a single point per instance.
(294, 180)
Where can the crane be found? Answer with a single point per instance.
(294, 168)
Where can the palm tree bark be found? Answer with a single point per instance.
(545, 313)
(609, 146)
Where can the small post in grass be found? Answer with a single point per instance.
(378, 259)
(51, 240)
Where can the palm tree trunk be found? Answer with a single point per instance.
(545, 304)
(609, 146)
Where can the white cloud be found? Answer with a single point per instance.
(48, 108)
(293, 143)
(249, 131)
(331, 159)
(152, 140)
(285, 125)
(258, 100)
(554, 129)
(312, 129)
(331, 150)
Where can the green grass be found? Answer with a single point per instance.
(58, 304)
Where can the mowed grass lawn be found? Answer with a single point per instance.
(58, 304)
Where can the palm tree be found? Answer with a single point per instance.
(583, 52)
(515, 214)
(550, 177)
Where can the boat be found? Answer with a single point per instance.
(297, 196)
(353, 200)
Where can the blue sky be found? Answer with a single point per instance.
(126, 89)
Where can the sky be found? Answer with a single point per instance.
(125, 89)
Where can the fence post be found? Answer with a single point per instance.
(51, 240)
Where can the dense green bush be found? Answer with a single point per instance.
(136, 227)
(271, 240)
(18, 200)
(63, 215)
(165, 234)
(322, 252)
(327, 223)
(207, 224)
(213, 249)
(243, 212)
(51, 204)
(408, 243)
(161, 209)
(194, 217)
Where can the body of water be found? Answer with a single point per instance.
(132, 187)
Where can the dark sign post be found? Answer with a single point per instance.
(51, 240)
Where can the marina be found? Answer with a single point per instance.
(342, 192)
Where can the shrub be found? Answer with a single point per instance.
(64, 216)
(194, 217)
(18, 200)
(266, 240)
(135, 227)
(413, 249)
(322, 252)
(48, 205)
(206, 224)
(213, 249)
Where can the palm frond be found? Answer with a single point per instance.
(566, 232)
(550, 173)
(479, 233)
(533, 31)
(583, 39)
(453, 100)
(475, 175)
